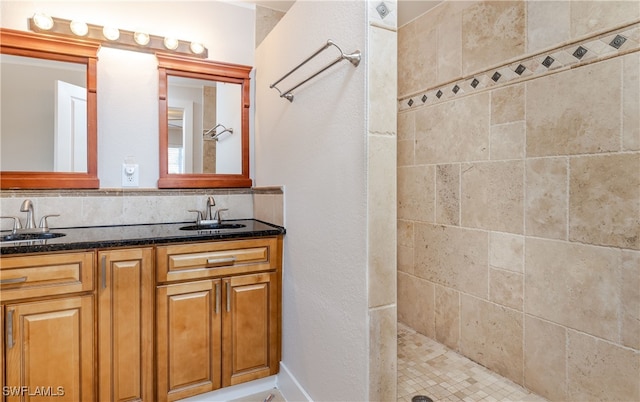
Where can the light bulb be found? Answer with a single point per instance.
(171, 43)
(43, 21)
(111, 33)
(141, 38)
(196, 47)
(79, 28)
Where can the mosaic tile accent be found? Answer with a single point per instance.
(622, 40)
(428, 368)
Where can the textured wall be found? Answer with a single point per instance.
(316, 148)
(519, 190)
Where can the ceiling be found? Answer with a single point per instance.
(407, 9)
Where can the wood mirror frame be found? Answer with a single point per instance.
(27, 44)
(169, 65)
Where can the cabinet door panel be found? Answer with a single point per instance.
(250, 328)
(125, 296)
(188, 319)
(52, 349)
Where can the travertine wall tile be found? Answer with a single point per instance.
(383, 351)
(508, 141)
(405, 233)
(447, 316)
(406, 153)
(417, 48)
(630, 303)
(545, 358)
(406, 126)
(506, 288)
(507, 104)
(406, 138)
(449, 60)
(405, 247)
(492, 336)
(416, 304)
(569, 125)
(631, 102)
(269, 208)
(600, 371)
(548, 23)
(506, 251)
(454, 131)
(591, 16)
(405, 260)
(548, 176)
(604, 206)
(493, 196)
(448, 194)
(382, 81)
(560, 285)
(416, 193)
(546, 203)
(117, 207)
(382, 222)
(438, 257)
(499, 37)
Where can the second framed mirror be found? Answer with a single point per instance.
(204, 123)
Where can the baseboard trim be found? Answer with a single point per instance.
(289, 386)
(236, 391)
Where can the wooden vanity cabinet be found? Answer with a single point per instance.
(126, 287)
(82, 323)
(218, 315)
(188, 339)
(48, 310)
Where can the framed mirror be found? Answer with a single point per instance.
(204, 123)
(48, 132)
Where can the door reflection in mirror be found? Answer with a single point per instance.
(44, 115)
(195, 107)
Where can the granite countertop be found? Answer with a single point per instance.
(91, 237)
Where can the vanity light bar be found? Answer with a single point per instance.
(118, 38)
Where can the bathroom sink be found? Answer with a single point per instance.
(213, 226)
(30, 236)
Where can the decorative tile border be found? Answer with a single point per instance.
(620, 41)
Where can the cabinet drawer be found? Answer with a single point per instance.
(24, 277)
(213, 259)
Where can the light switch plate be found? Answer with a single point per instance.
(130, 175)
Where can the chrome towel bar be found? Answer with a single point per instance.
(354, 58)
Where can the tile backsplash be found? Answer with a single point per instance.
(117, 207)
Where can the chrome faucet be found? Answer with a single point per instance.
(30, 223)
(27, 206)
(210, 204)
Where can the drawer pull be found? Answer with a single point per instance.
(217, 298)
(10, 341)
(13, 280)
(228, 296)
(104, 272)
(229, 260)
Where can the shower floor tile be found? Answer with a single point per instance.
(428, 368)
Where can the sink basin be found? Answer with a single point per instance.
(30, 236)
(213, 226)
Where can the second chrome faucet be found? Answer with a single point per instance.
(208, 216)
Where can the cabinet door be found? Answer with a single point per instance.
(250, 328)
(188, 339)
(125, 325)
(50, 350)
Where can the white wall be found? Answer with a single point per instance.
(316, 147)
(128, 81)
